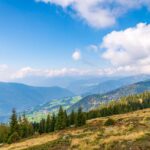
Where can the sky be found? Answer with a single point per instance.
(54, 38)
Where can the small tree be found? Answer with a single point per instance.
(13, 138)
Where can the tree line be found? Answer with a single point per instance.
(123, 105)
(19, 127)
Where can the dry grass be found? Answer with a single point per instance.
(129, 132)
(31, 142)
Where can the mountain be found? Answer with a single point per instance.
(103, 84)
(21, 96)
(93, 101)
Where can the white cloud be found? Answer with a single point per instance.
(129, 49)
(76, 55)
(100, 13)
(28, 71)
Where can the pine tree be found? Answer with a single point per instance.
(53, 123)
(60, 120)
(72, 118)
(80, 119)
(66, 119)
(42, 126)
(14, 126)
(48, 124)
(24, 127)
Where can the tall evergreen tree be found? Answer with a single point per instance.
(24, 127)
(66, 119)
(72, 118)
(48, 124)
(80, 119)
(60, 120)
(14, 126)
(42, 126)
(53, 123)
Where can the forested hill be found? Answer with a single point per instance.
(21, 97)
(93, 101)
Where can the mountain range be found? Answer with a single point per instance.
(21, 96)
(93, 101)
(88, 94)
(104, 84)
(87, 103)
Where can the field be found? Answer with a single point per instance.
(129, 131)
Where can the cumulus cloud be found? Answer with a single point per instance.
(76, 55)
(129, 49)
(99, 13)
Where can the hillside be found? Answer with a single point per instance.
(40, 111)
(21, 97)
(93, 101)
(129, 131)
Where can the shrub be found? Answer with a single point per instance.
(109, 122)
(14, 137)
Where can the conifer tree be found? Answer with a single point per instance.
(80, 119)
(53, 123)
(14, 126)
(24, 127)
(66, 119)
(72, 118)
(60, 120)
(48, 124)
(42, 126)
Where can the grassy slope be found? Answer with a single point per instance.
(131, 131)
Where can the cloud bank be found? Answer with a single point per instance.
(99, 13)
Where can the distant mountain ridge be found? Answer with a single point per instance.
(104, 84)
(93, 101)
(21, 96)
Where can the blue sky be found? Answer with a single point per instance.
(41, 38)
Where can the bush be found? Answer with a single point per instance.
(13, 138)
(109, 122)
